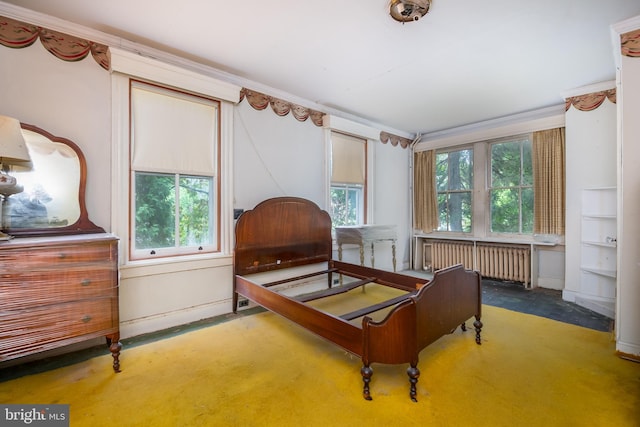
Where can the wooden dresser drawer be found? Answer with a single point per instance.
(38, 328)
(54, 256)
(28, 288)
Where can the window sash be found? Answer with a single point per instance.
(516, 188)
(174, 134)
(353, 203)
(455, 190)
(175, 220)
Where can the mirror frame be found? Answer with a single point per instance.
(83, 225)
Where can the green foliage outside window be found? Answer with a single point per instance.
(155, 214)
(345, 205)
(454, 184)
(511, 192)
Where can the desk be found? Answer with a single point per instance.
(362, 235)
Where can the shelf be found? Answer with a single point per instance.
(598, 251)
(596, 216)
(600, 244)
(600, 272)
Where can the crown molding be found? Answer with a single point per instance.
(66, 27)
(583, 90)
(544, 118)
(617, 30)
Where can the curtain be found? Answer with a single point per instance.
(425, 207)
(549, 181)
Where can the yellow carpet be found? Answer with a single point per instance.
(262, 370)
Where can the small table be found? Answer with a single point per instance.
(362, 235)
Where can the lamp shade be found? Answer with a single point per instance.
(13, 148)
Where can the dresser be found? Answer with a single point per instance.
(56, 291)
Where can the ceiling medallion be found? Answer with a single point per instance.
(408, 10)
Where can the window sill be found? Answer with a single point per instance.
(491, 239)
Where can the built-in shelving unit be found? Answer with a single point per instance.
(598, 252)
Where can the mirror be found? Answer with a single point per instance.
(52, 201)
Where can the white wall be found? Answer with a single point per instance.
(276, 156)
(628, 309)
(67, 99)
(590, 163)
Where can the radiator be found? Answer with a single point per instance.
(448, 253)
(505, 262)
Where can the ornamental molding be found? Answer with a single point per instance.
(17, 35)
(590, 101)
(260, 101)
(394, 139)
(630, 44)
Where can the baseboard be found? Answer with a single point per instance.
(604, 307)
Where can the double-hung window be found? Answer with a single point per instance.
(454, 186)
(174, 171)
(348, 179)
(511, 186)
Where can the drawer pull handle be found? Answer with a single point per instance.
(86, 318)
(85, 282)
(62, 255)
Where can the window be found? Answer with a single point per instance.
(348, 179)
(506, 195)
(174, 172)
(454, 186)
(511, 186)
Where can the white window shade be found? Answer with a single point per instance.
(348, 159)
(173, 132)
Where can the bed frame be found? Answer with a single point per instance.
(287, 232)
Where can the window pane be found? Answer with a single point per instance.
(195, 211)
(442, 171)
(455, 212)
(505, 211)
(454, 182)
(345, 205)
(460, 170)
(527, 210)
(155, 210)
(527, 164)
(505, 164)
(443, 212)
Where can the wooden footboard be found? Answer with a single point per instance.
(448, 301)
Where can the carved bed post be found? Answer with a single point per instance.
(414, 373)
(366, 372)
(478, 326)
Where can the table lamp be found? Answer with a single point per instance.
(13, 153)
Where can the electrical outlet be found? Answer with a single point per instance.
(243, 303)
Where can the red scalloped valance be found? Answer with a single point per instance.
(630, 44)
(17, 34)
(590, 101)
(260, 101)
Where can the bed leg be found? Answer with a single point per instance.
(478, 325)
(414, 374)
(366, 372)
(235, 302)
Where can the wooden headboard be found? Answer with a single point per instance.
(280, 233)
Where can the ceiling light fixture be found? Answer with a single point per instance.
(408, 10)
